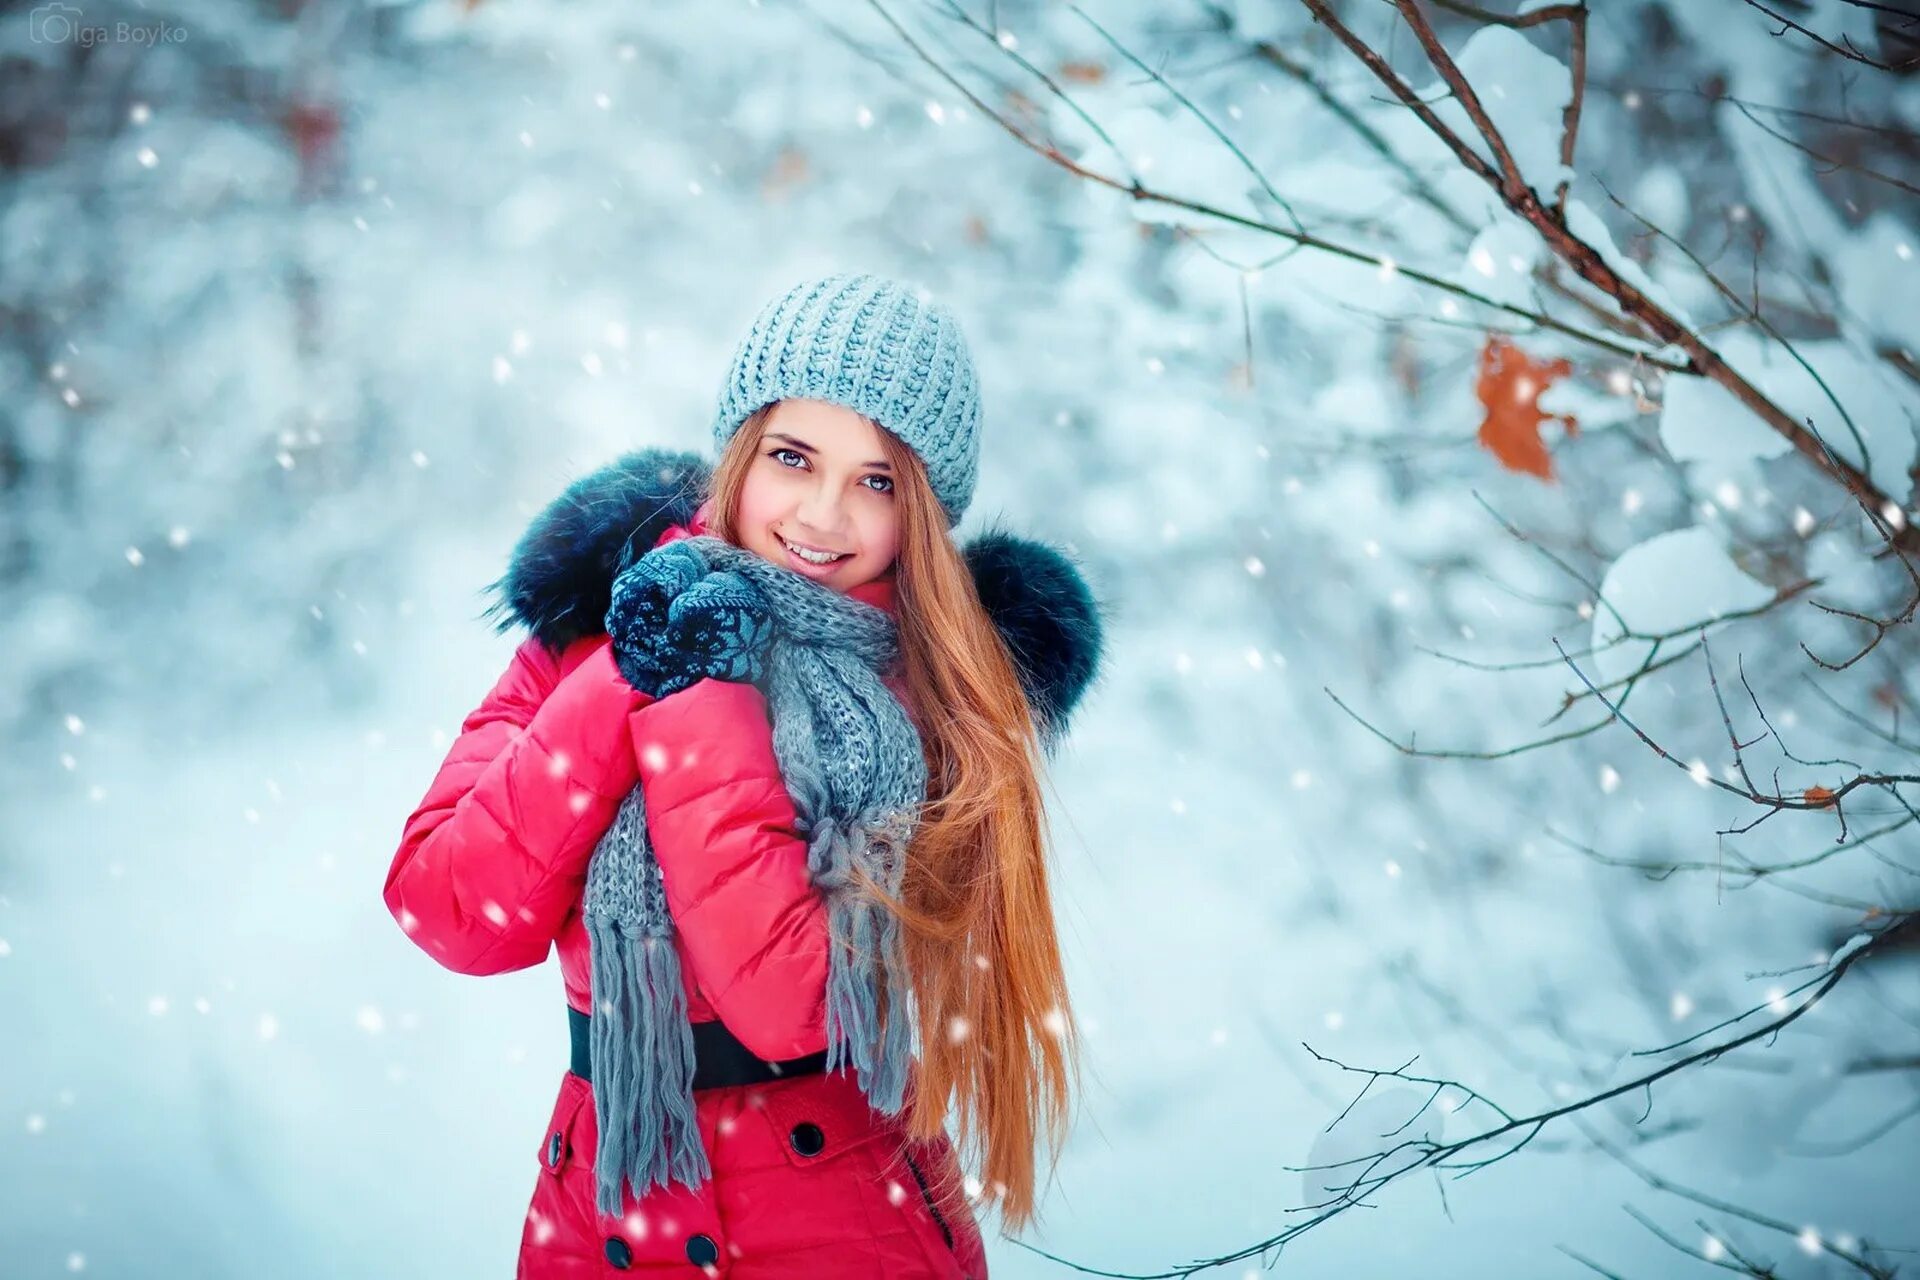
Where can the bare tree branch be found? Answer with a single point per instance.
(1586, 261)
(1139, 191)
(1514, 1132)
(1846, 48)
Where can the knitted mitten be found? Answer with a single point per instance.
(673, 623)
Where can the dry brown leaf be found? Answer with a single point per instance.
(1509, 386)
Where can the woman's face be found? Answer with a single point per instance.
(820, 482)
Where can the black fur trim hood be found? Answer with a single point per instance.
(559, 581)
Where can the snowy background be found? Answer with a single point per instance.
(306, 308)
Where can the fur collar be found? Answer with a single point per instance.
(560, 578)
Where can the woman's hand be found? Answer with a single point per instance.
(673, 623)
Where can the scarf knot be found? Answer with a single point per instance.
(852, 761)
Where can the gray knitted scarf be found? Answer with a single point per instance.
(851, 760)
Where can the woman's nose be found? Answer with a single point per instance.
(820, 510)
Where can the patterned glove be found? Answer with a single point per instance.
(674, 623)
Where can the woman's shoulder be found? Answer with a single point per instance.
(569, 658)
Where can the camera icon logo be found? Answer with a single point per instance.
(53, 23)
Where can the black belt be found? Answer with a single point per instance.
(718, 1059)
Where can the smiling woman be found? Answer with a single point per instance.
(758, 873)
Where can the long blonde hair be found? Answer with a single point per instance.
(996, 1031)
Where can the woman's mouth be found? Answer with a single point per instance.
(804, 557)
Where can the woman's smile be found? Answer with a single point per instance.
(811, 553)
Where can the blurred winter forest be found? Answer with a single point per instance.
(1491, 849)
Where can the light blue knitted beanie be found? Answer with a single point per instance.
(876, 347)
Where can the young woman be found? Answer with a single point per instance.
(670, 752)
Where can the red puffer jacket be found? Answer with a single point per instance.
(491, 871)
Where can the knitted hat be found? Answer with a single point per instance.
(873, 345)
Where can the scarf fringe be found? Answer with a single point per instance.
(643, 1064)
(866, 939)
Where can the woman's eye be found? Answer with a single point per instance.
(799, 460)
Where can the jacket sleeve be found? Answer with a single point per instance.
(750, 924)
(495, 856)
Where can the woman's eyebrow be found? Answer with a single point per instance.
(804, 447)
